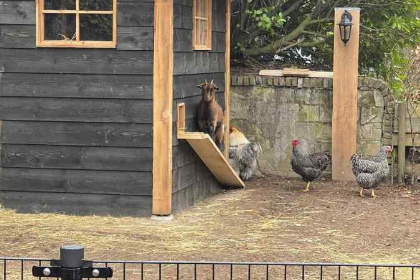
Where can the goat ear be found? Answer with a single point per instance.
(200, 86)
(216, 87)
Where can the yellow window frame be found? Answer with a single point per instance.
(76, 42)
(196, 31)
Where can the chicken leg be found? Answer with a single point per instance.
(361, 192)
(307, 187)
(373, 194)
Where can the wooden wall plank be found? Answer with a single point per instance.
(17, 12)
(71, 157)
(186, 85)
(17, 36)
(80, 110)
(135, 38)
(86, 61)
(219, 15)
(185, 176)
(198, 63)
(183, 16)
(76, 181)
(345, 82)
(135, 13)
(69, 203)
(162, 107)
(80, 86)
(77, 134)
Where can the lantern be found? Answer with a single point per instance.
(345, 27)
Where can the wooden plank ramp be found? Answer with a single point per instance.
(207, 150)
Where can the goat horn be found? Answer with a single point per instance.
(205, 80)
(211, 81)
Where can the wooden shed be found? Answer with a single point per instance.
(88, 104)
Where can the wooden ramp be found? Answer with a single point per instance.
(207, 150)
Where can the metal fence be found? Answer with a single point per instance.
(18, 268)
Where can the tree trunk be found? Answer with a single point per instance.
(401, 141)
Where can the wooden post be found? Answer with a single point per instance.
(344, 122)
(162, 107)
(402, 109)
(227, 79)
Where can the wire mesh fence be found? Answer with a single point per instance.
(21, 269)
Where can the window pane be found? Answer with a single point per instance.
(60, 27)
(201, 8)
(96, 5)
(96, 27)
(59, 5)
(201, 32)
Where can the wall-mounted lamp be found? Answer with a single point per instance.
(345, 27)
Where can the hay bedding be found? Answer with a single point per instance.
(270, 220)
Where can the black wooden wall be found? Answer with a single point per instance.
(192, 180)
(76, 124)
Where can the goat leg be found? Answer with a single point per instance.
(220, 132)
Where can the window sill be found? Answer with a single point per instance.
(74, 44)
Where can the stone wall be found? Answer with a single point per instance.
(274, 110)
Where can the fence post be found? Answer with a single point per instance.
(401, 141)
(71, 266)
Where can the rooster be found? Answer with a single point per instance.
(308, 166)
(371, 173)
(243, 154)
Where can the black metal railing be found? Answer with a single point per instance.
(23, 269)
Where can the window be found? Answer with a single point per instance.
(76, 23)
(202, 15)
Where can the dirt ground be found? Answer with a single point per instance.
(270, 220)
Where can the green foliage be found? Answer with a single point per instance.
(300, 32)
(267, 19)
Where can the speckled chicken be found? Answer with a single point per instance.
(308, 166)
(371, 173)
(243, 154)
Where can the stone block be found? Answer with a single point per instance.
(319, 82)
(322, 131)
(370, 115)
(306, 96)
(306, 82)
(294, 82)
(300, 83)
(325, 83)
(289, 81)
(313, 82)
(368, 131)
(240, 80)
(325, 114)
(282, 81)
(276, 81)
(252, 81)
(234, 80)
(308, 113)
(379, 99)
(246, 81)
(259, 80)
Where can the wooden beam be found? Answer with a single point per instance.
(181, 118)
(207, 150)
(227, 79)
(296, 72)
(162, 107)
(344, 122)
(402, 111)
(281, 73)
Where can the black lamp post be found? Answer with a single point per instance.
(345, 27)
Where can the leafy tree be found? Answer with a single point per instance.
(300, 32)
